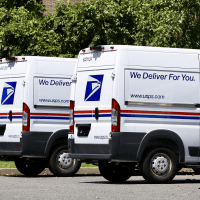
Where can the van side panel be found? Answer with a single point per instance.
(163, 97)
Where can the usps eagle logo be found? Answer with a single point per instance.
(8, 93)
(93, 87)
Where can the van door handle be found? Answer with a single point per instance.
(96, 113)
(10, 115)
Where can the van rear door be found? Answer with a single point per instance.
(11, 98)
(93, 97)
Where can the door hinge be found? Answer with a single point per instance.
(74, 78)
(24, 82)
(113, 75)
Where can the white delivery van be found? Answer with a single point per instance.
(135, 105)
(34, 113)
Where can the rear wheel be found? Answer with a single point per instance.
(29, 167)
(159, 165)
(114, 173)
(60, 164)
(197, 171)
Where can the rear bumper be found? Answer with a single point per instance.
(34, 143)
(11, 149)
(88, 151)
(123, 147)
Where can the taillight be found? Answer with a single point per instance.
(26, 118)
(71, 124)
(115, 116)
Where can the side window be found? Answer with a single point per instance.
(161, 87)
(51, 92)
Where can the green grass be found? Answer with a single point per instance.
(11, 164)
(88, 165)
(7, 164)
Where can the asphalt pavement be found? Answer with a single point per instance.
(94, 186)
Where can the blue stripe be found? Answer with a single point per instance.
(104, 115)
(17, 117)
(41, 117)
(100, 115)
(3, 117)
(160, 116)
(83, 115)
(14, 117)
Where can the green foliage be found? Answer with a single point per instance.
(36, 7)
(163, 23)
(171, 23)
(94, 23)
(24, 34)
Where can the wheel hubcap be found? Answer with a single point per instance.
(64, 161)
(161, 164)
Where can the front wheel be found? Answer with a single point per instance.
(60, 164)
(159, 165)
(114, 173)
(29, 167)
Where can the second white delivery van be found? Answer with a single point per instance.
(34, 113)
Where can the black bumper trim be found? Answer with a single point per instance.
(122, 146)
(10, 149)
(91, 156)
(34, 143)
(10, 153)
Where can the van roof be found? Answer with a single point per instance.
(141, 48)
(38, 58)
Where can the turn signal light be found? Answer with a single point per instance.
(71, 125)
(115, 116)
(26, 118)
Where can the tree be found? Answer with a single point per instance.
(36, 7)
(24, 34)
(171, 23)
(161, 23)
(97, 22)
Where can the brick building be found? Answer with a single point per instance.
(49, 4)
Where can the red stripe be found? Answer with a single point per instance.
(49, 114)
(104, 111)
(17, 113)
(83, 111)
(4, 113)
(159, 112)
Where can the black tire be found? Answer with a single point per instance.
(196, 171)
(60, 164)
(159, 165)
(29, 167)
(114, 173)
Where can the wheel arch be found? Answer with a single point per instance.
(167, 138)
(60, 136)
